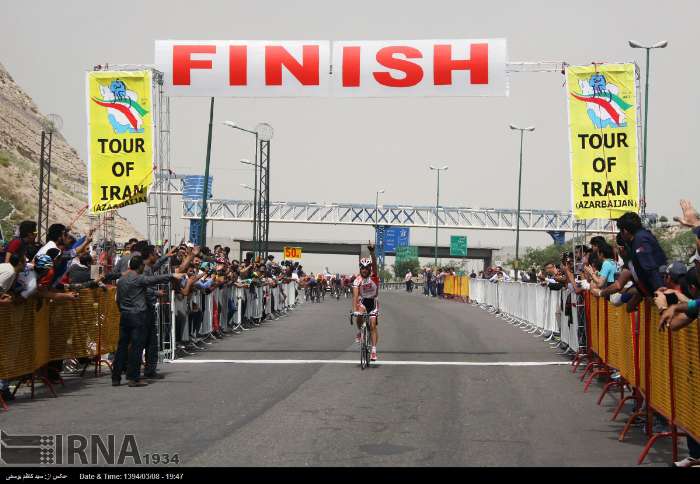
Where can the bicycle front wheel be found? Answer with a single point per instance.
(365, 347)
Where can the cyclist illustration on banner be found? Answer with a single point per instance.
(124, 112)
(604, 103)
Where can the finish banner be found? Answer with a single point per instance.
(120, 138)
(602, 105)
(301, 68)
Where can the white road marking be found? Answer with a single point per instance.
(381, 362)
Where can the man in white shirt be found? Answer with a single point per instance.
(408, 279)
(8, 274)
(54, 236)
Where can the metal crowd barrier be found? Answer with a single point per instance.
(660, 368)
(398, 286)
(38, 331)
(457, 287)
(227, 307)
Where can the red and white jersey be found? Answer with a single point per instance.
(369, 288)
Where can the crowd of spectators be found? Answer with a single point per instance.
(143, 275)
(434, 280)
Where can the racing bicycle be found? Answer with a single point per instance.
(365, 336)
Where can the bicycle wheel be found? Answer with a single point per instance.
(368, 343)
(364, 361)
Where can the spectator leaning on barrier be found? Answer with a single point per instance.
(645, 253)
(603, 274)
(623, 290)
(499, 276)
(675, 317)
(80, 272)
(25, 237)
(8, 275)
(131, 297)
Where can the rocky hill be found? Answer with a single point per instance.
(20, 145)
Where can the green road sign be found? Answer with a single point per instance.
(407, 252)
(458, 245)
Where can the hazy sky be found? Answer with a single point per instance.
(342, 150)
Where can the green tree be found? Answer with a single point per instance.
(678, 245)
(401, 267)
(385, 275)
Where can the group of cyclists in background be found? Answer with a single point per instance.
(317, 285)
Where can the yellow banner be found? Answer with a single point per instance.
(120, 138)
(602, 104)
(292, 253)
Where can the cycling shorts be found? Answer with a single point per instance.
(370, 304)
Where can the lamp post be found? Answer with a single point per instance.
(520, 179)
(256, 235)
(234, 125)
(376, 214)
(437, 206)
(380, 250)
(637, 45)
(248, 187)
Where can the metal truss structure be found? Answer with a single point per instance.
(44, 184)
(158, 211)
(399, 215)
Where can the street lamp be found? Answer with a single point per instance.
(437, 206)
(376, 224)
(232, 124)
(520, 178)
(637, 45)
(376, 212)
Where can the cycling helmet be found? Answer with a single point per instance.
(366, 262)
(43, 262)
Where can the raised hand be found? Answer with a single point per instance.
(690, 216)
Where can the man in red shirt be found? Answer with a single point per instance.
(27, 236)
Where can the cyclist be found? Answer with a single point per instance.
(336, 284)
(364, 299)
(321, 286)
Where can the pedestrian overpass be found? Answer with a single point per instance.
(398, 215)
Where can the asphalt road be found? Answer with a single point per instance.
(331, 413)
